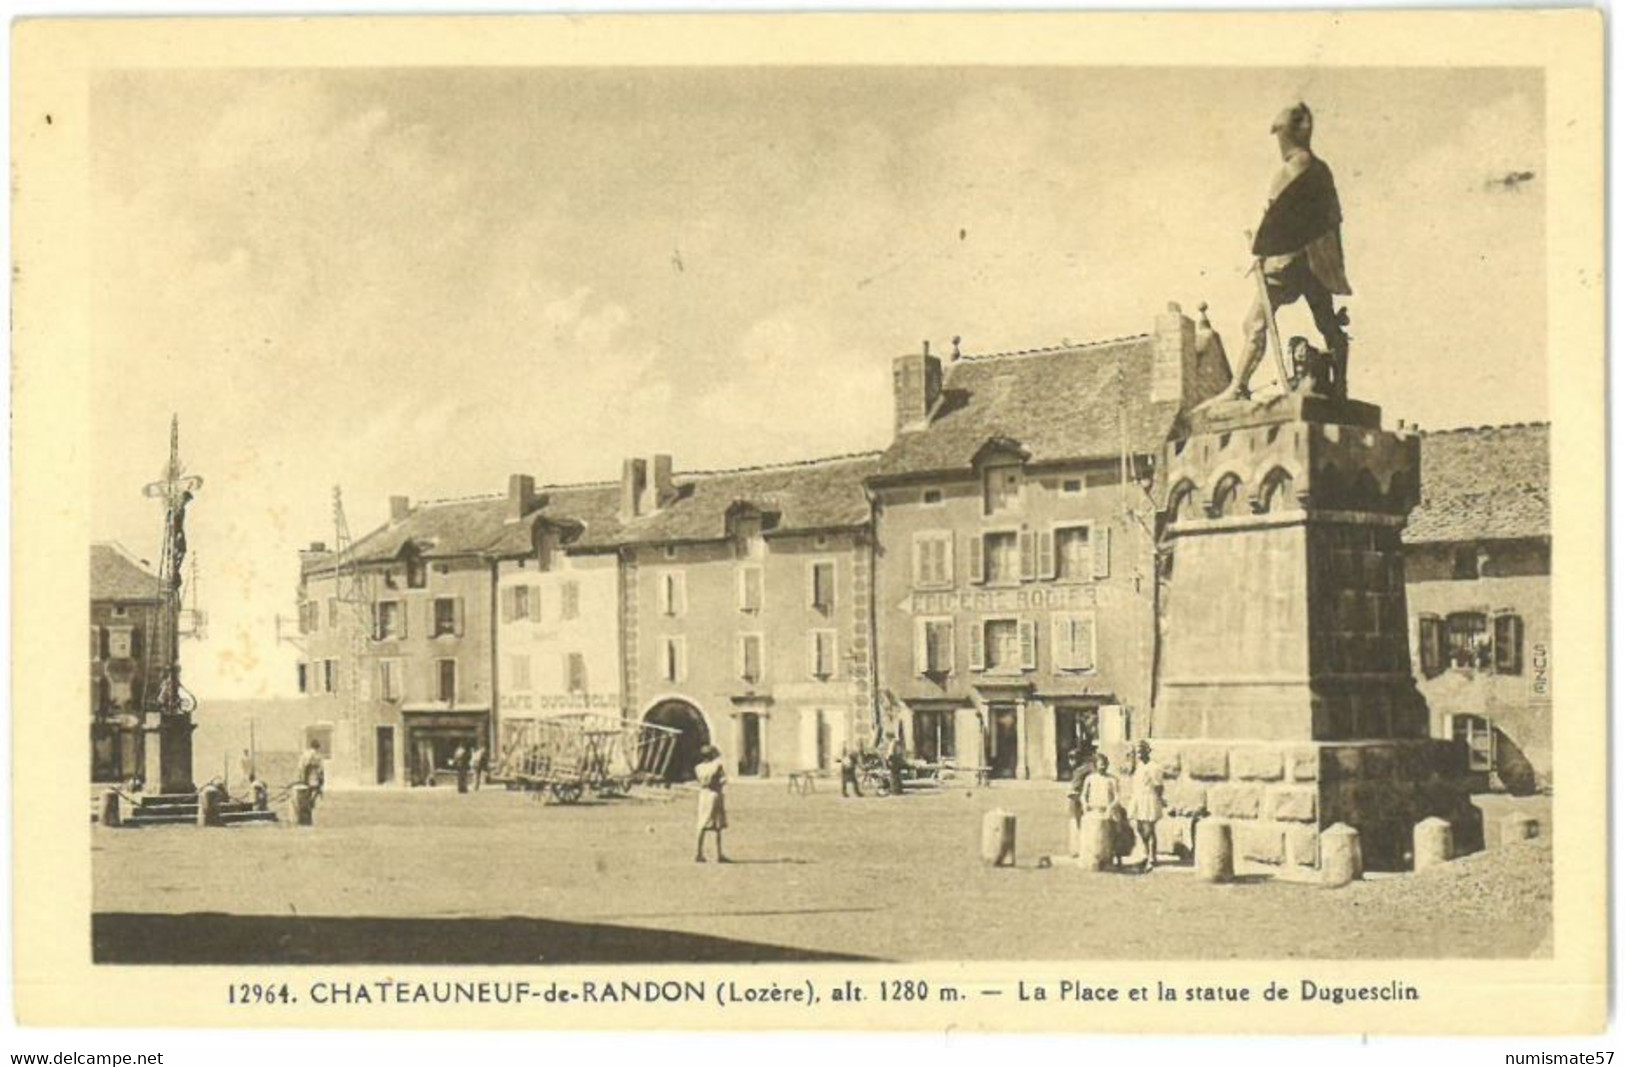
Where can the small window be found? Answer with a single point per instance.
(821, 541)
(447, 675)
(1430, 645)
(118, 643)
(303, 670)
(1227, 498)
(1467, 641)
(1001, 488)
(673, 660)
(575, 672)
(750, 589)
(931, 496)
(1073, 644)
(445, 614)
(1008, 645)
(671, 593)
(1477, 733)
(670, 551)
(569, 600)
(1508, 643)
(821, 654)
(519, 603)
(750, 657)
(389, 679)
(934, 647)
(1464, 563)
(821, 582)
(120, 611)
(332, 612)
(391, 621)
(330, 675)
(1072, 485)
(417, 573)
(1074, 554)
(1001, 555)
(933, 560)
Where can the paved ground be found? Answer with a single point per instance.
(430, 876)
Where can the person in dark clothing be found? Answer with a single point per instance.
(460, 763)
(895, 761)
(850, 762)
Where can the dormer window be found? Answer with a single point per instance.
(417, 573)
(1001, 489)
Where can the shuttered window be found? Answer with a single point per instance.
(821, 587)
(749, 656)
(569, 600)
(1508, 643)
(750, 589)
(575, 672)
(1072, 642)
(821, 653)
(933, 560)
(1074, 554)
(1430, 644)
(672, 593)
(934, 646)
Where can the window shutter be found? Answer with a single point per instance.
(569, 600)
(535, 606)
(1029, 644)
(682, 660)
(1428, 644)
(974, 543)
(1060, 643)
(1083, 642)
(978, 653)
(457, 616)
(1508, 644)
(510, 603)
(919, 562)
(1046, 554)
(679, 590)
(135, 643)
(922, 646)
(1029, 556)
(827, 648)
(1101, 536)
(744, 594)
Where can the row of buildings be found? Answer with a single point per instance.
(988, 586)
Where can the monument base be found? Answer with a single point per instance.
(1278, 795)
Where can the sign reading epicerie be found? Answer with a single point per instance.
(1049, 597)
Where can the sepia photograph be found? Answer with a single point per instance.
(704, 512)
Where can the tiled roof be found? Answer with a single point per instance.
(1484, 483)
(810, 495)
(117, 575)
(1057, 403)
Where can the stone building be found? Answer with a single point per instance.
(1478, 570)
(1014, 511)
(398, 641)
(127, 624)
(745, 612)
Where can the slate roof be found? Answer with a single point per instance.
(810, 495)
(1484, 483)
(1058, 403)
(117, 575)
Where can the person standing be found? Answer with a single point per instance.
(849, 771)
(481, 761)
(713, 812)
(459, 763)
(1146, 807)
(312, 771)
(1101, 799)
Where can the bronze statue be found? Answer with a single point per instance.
(1298, 250)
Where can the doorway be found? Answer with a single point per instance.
(692, 735)
(750, 744)
(1006, 741)
(385, 751)
(1076, 728)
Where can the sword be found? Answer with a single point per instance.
(1257, 271)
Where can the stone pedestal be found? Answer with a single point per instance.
(1432, 845)
(999, 838)
(1286, 701)
(1215, 851)
(208, 806)
(109, 815)
(1095, 842)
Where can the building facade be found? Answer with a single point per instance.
(1016, 520)
(1478, 574)
(127, 637)
(746, 610)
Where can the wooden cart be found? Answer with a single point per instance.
(565, 757)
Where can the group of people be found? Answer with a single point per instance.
(472, 766)
(1131, 813)
(852, 768)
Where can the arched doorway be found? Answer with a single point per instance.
(693, 734)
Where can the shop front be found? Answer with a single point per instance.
(433, 737)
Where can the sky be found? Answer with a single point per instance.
(419, 281)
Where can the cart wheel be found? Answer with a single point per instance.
(883, 787)
(567, 792)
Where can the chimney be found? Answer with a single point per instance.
(1173, 367)
(657, 488)
(916, 384)
(634, 476)
(521, 495)
(318, 547)
(399, 508)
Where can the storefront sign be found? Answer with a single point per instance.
(561, 702)
(1540, 672)
(1009, 599)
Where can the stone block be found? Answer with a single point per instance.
(1377, 763)
(1432, 844)
(1260, 842)
(1186, 797)
(1341, 862)
(1235, 801)
(1206, 761)
(1302, 846)
(1256, 762)
(1304, 764)
(1215, 851)
(1293, 803)
(999, 838)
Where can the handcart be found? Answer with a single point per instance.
(565, 757)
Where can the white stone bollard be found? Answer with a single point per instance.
(999, 838)
(1095, 842)
(1215, 851)
(110, 814)
(301, 801)
(1071, 835)
(1432, 843)
(1340, 859)
(208, 806)
(1519, 827)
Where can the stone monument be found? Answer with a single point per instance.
(1286, 701)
